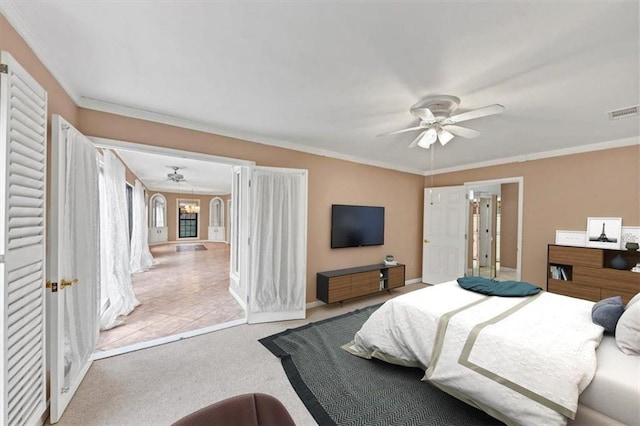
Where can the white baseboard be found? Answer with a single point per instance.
(315, 304)
(168, 339)
(413, 281)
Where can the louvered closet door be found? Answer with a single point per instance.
(23, 125)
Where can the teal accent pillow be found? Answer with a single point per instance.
(607, 312)
(498, 288)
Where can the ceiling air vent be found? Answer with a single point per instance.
(623, 113)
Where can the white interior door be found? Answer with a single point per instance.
(23, 160)
(278, 245)
(239, 218)
(443, 248)
(73, 262)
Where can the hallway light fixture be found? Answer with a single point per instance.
(190, 208)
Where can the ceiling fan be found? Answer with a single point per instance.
(437, 123)
(175, 176)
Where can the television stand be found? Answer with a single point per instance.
(344, 284)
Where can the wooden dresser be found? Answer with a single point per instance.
(586, 273)
(343, 284)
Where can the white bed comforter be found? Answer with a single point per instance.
(522, 360)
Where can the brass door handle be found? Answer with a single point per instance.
(426, 241)
(65, 283)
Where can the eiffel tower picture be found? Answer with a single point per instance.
(604, 232)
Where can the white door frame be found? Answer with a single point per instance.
(520, 181)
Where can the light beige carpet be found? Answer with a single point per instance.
(162, 384)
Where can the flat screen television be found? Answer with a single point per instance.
(356, 226)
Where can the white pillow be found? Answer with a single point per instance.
(628, 328)
(633, 300)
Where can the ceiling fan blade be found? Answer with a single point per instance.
(416, 140)
(462, 131)
(477, 113)
(424, 114)
(401, 131)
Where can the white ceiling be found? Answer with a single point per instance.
(327, 76)
(200, 177)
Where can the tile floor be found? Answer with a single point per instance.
(184, 291)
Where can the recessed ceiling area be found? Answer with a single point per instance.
(328, 77)
(200, 177)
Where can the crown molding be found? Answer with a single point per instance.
(131, 112)
(616, 143)
(10, 11)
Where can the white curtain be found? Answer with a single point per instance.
(278, 263)
(141, 258)
(79, 236)
(116, 292)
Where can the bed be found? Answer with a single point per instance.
(524, 360)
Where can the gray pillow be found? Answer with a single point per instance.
(607, 312)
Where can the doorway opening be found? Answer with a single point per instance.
(494, 228)
(187, 291)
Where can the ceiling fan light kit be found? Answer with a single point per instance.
(428, 138)
(175, 176)
(444, 136)
(437, 123)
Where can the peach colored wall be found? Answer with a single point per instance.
(561, 192)
(331, 181)
(172, 214)
(509, 225)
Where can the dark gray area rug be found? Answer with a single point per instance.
(191, 247)
(340, 388)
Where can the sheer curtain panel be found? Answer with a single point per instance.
(80, 234)
(141, 258)
(116, 292)
(278, 241)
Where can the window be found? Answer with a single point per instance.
(216, 212)
(235, 222)
(188, 211)
(188, 225)
(158, 211)
(130, 208)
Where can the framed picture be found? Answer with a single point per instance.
(630, 234)
(604, 232)
(571, 238)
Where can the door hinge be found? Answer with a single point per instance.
(4, 69)
(52, 286)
